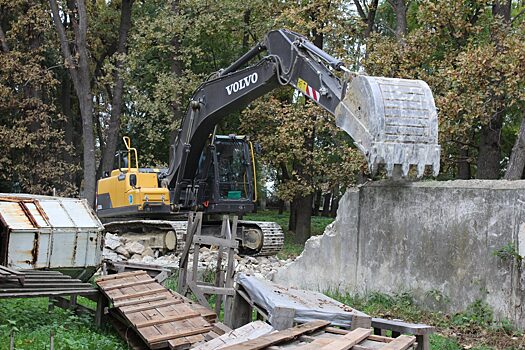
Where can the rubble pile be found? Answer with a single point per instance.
(119, 249)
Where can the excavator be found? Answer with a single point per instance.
(392, 121)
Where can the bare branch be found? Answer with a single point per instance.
(64, 44)
(360, 10)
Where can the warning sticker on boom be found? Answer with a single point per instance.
(308, 90)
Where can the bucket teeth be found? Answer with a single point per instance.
(394, 121)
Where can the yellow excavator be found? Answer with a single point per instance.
(392, 121)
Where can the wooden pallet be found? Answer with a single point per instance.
(162, 318)
(316, 335)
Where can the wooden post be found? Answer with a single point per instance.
(230, 269)
(194, 225)
(102, 303)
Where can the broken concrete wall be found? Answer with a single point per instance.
(438, 241)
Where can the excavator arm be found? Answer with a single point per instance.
(392, 121)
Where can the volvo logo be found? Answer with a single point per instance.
(242, 83)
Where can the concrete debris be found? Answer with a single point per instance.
(134, 248)
(260, 266)
(122, 251)
(112, 241)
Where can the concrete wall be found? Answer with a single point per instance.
(427, 238)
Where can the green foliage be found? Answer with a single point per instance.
(32, 325)
(478, 313)
(508, 253)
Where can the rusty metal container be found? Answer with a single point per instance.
(41, 232)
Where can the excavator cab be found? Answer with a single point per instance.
(226, 180)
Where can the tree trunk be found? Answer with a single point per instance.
(326, 204)
(463, 164)
(292, 221)
(502, 8)
(490, 150)
(335, 202)
(110, 148)
(79, 70)
(281, 206)
(303, 208)
(517, 156)
(317, 203)
(367, 17)
(3, 41)
(400, 8)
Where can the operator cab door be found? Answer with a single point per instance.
(225, 178)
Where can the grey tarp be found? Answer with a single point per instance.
(308, 305)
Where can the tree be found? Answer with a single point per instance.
(31, 137)
(78, 66)
(118, 88)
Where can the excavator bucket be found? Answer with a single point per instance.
(393, 122)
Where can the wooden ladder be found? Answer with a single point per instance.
(222, 286)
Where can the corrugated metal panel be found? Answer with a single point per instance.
(13, 215)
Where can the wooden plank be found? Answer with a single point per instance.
(139, 294)
(45, 293)
(336, 330)
(402, 327)
(130, 284)
(210, 240)
(348, 340)
(168, 302)
(380, 338)
(247, 332)
(140, 301)
(179, 344)
(402, 342)
(167, 319)
(216, 290)
(181, 334)
(120, 275)
(278, 337)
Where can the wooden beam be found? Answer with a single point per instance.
(167, 319)
(139, 294)
(164, 337)
(120, 275)
(141, 301)
(402, 342)
(171, 301)
(129, 284)
(348, 340)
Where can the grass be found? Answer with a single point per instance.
(32, 324)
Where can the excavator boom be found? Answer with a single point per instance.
(392, 121)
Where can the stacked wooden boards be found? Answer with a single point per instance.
(162, 318)
(36, 283)
(315, 335)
